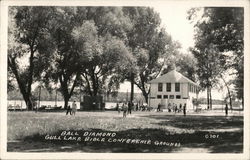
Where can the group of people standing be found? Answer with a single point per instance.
(126, 107)
(174, 108)
(72, 111)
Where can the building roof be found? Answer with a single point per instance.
(172, 77)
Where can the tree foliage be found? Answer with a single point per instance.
(219, 30)
(28, 37)
(150, 45)
(187, 65)
(96, 48)
(103, 72)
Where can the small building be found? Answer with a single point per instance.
(92, 103)
(173, 88)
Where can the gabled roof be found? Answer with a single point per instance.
(172, 77)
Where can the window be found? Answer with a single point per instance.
(171, 96)
(178, 96)
(160, 87)
(189, 87)
(168, 87)
(177, 87)
(158, 96)
(165, 96)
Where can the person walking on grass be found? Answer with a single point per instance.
(159, 107)
(169, 107)
(226, 109)
(180, 108)
(68, 110)
(74, 107)
(118, 107)
(184, 109)
(175, 108)
(129, 107)
(124, 109)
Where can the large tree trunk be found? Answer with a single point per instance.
(25, 91)
(95, 83)
(26, 95)
(141, 86)
(64, 85)
(64, 89)
(28, 101)
(132, 88)
(230, 100)
(242, 103)
(208, 102)
(211, 101)
(145, 95)
(88, 86)
(66, 101)
(229, 93)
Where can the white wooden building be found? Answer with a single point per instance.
(172, 88)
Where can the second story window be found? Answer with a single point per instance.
(177, 87)
(168, 87)
(160, 87)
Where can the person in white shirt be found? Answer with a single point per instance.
(74, 108)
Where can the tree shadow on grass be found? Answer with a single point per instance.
(161, 142)
(199, 122)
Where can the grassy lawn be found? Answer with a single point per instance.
(167, 132)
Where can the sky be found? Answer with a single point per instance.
(176, 24)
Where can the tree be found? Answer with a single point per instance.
(150, 45)
(72, 52)
(187, 65)
(11, 86)
(102, 73)
(209, 67)
(89, 48)
(28, 37)
(104, 70)
(223, 28)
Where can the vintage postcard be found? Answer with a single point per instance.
(124, 79)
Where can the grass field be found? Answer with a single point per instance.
(204, 132)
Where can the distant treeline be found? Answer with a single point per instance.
(215, 101)
(52, 95)
(218, 102)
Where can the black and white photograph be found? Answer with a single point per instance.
(161, 78)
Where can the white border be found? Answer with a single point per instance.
(193, 3)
